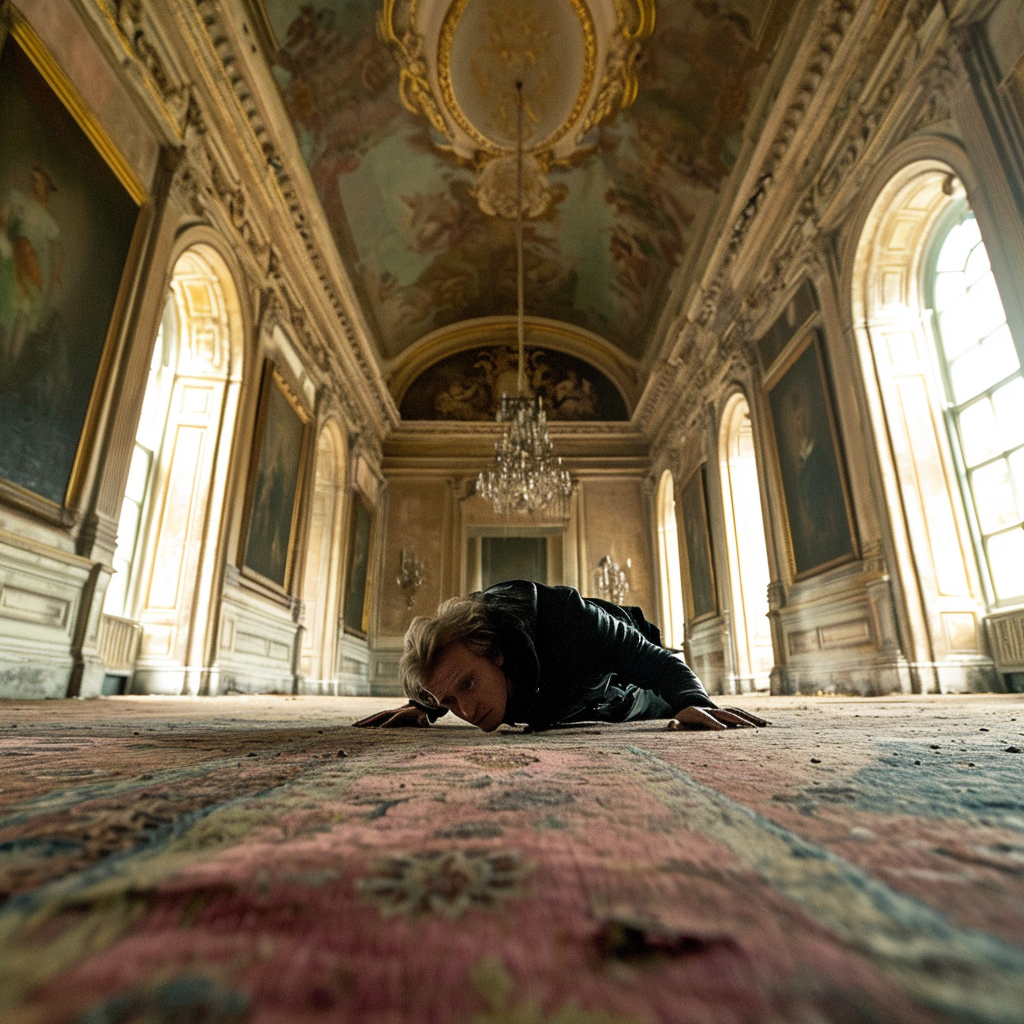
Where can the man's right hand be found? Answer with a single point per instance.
(406, 717)
(716, 718)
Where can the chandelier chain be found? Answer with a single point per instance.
(526, 476)
(520, 290)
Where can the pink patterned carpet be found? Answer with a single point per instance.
(256, 860)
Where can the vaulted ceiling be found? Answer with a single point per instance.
(405, 114)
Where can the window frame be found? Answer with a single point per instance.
(957, 213)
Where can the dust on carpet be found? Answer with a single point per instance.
(245, 862)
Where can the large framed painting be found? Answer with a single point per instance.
(697, 537)
(810, 464)
(69, 215)
(357, 591)
(276, 477)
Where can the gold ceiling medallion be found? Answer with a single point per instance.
(548, 45)
(459, 59)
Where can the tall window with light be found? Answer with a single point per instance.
(139, 487)
(984, 391)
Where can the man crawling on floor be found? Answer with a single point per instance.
(524, 653)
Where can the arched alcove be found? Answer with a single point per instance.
(746, 548)
(467, 385)
(910, 346)
(177, 483)
(322, 578)
(670, 574)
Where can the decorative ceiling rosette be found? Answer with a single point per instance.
(460, 61)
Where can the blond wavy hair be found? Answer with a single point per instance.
(458, 620)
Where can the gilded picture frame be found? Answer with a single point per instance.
(278, 466)
(809, 462)
(701, 583)
(356, 613)
(71, 226)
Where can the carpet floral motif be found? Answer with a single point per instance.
(448, 882)
(162, 866)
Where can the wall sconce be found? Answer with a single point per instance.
(411, 575)
(612, 580)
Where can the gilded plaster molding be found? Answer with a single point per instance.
(148, 53)
(834, 22)
(619, 85)
(407, 45)
(444, 74)
(840, 157)
(348, 357)
(209, 193)
(612, 34)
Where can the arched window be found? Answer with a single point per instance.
(322, 579)
(146, 453)
(745, 543)
(668, 559)
(984, 391)
(941, 373)
(174, 508)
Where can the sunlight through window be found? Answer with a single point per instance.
(985, 388)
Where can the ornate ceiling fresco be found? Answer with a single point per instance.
(469, 384)
(405, 113)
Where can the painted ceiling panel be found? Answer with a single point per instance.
(469, 385)
(404, 212)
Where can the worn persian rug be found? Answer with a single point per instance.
(238, 860)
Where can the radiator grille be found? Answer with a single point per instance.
(1006, 633)
(118, 643)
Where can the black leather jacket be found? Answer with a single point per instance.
(570, 659)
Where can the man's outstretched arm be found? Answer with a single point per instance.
(408, 716)
(693, 717)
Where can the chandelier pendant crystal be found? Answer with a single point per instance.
(526, 475)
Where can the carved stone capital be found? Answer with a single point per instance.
(776, 595)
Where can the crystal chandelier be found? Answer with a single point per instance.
(526, 476)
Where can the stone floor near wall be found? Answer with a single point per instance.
(235, 859)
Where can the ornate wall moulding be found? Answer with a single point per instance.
(147, 50)
(349, 353)
(460, 61)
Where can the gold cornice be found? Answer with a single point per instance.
(177, 123)
(444, 76)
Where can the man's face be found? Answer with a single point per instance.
(470, 685)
